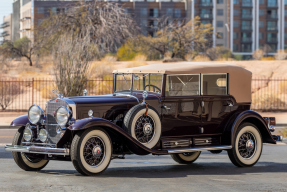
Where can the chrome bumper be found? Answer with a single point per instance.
(38, 150)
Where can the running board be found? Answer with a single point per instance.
(187, 150)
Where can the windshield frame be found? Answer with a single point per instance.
(132, 83)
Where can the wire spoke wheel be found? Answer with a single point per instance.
(144, 129)
(247, 145)
(94, 151)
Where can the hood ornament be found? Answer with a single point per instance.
(57, 92)
(145, 94)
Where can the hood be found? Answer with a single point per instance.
(124, 97)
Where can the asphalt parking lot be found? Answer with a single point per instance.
(154, 173)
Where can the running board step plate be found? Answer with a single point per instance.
(187, 150)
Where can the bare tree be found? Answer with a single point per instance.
(179, 38)
(86, 31)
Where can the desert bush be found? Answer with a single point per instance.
(103, 67)
(188, 57)
(216, 53)
(267, 101)
(258, 54)
(8, 93)
(167, 55)
(267, 59)
(140, 57)
(126, 52)
(280, 55)
(172, 60)
(283, 133)
(238, 57)
(201, 58)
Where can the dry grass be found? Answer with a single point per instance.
(103, 67)
(139, 60)
(267, 101)
(267, 59)
(47, 92)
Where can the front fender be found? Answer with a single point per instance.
(135, 146)
(251, 117)
(20, 121)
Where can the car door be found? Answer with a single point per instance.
(181, 107)
(215, 102)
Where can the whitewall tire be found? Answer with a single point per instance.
(247, 146)
(144, 128)
(91, 151)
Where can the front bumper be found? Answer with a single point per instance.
(38, 150)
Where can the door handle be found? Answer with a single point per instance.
(166, 107)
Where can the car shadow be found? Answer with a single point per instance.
(174, 171)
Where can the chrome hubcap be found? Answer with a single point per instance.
(97, 151)
(147, 129)
(247, 145)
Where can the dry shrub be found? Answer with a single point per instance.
(140, 57)
(267, 59)
(258, 54)
(267, 101)
(103, 67)
(283, 133)
(139, 60)
(201, 58)
(188, 57)
(280, 55)
(9, 91)
(167, 55)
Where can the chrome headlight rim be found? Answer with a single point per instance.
(46, 134)
(69, 114)
(41, 115)
(29, 129)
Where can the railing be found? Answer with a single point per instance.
(19, 95)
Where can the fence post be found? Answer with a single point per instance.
(32, 91)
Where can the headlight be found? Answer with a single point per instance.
(62, 116)
(43, 135)
(28, 133)
(35, 114)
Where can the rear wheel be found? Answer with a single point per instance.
(25, 161)
(186, 158)
(247, 146)
(91, 151)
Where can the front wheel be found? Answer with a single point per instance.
(91, 151)
(247, 146)
(185, 158)
(26, 161)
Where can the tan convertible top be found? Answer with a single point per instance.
(239, 78)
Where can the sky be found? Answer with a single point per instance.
(5, 9)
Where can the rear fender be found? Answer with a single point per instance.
(250, 117)
(135, 146)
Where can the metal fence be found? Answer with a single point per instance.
(20, 94)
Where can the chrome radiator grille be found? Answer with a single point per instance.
(51, 123)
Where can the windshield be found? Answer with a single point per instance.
(149, 82)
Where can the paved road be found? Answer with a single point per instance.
(154, 173)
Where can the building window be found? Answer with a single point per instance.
(246, 47)
(247, 13)
(153, 12)
(219, 35)
(219, 12)
(285, 13)
(246, 25)
(261, 12)
(177, 13)
(247, 3)
(153, 24)
(285, 36)
(235, 35)
(246, 37)
(271, 25)
(235, 47)
(219, 24)
(128, 10)
(54, 10)
(206, 13)
(261, 2)
(285, 24)
(285, 2)
(40, 10)
(219, 1)
(235, 24)
(236, 2)
(272, 37)
(261, 35)
(235, 12)
(272, 14)
(272, 3)
(143, 23)
(169, 12)
(261, 24)
(143, 11)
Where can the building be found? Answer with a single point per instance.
(7, 28)
(241, 25)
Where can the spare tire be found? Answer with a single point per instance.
(145, 129)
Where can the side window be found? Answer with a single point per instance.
(182, 85)
(214, 84)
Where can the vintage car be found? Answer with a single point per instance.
(177, 109)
